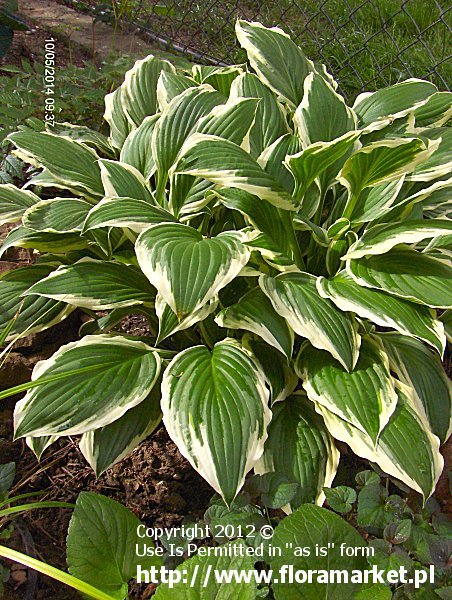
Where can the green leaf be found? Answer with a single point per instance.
(224, 163)
(170, 324)
(106, 446)
(75, 396)
(313, 458)
(254, 312)
(97, 285)
(366, 397)
(407, 274)
(406, 448)
(23, 237)
(220, 78)
(7, 474)
(34, 313)
(115, 116)
(273, 158)
(196, 570)
(340, 498)
(122, 180)
(277, 60)
(313, 527)
(435, 112)
(295, 297)
(418, 367)
(270, 122)
(14, 202)
(139, 90)
(58, 215)
(398, 533)
(394, 101)
(439, 163)
(322, 115)
(372, 505)
(70, 163)
(373, 203)
(38, 445)
(101, 544)
(170, 85)
(384, 310)
(187, 269)
(215, 409)
(137, 151)
(381, 238)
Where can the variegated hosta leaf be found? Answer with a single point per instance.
(86, 385)
(106, 446)
(262, 215)
(134, 214)
(117, 119)
(220, 78)
(379, 239)
(277, 60)
(295, 297)
(231, 121)
(394, 101)
(254, 312)
(384, 310)
(215, 409)
(97, 285)
(38, 445)
(322, 116)
(277, 371)
(380, 162)
(35, 313)
(22, 237)
(169, 323)
(187, 269)
(176, 123)
(121, 180)
(58, 215)
(14, 202)
(312, 162)
(366, 397)
(406, 273)
(436, 111)
(313, 458)
(90, 137)
(406, 448)
(273, 158)
(228, 165)
(137, 151)
(139, 90)
(418, 367)
(270, 123)
(70, 163)
(170, 85)
(438, 164)
(373, 203)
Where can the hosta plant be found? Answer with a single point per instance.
(289, 252)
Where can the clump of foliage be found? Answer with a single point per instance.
(289, 251)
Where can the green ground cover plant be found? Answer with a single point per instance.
(290, 252)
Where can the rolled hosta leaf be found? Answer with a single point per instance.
(101, 544)
(120, 180)
(134, 214)
(418, 367)
(97, 285)
(215, 409)
(70, 163)
(169, 323)
(228, 165)
(366, 397)
(394, 101)
(322, 116)
(384, 310)
(170, 85)
(187, 269)
(270, 122)
(295, 297)
(219, 78)
(58, 215)
(34, 313)
(137, 151)
(86, 385)
(254, 312)
(104, 447)
(406, 273)
(406, 448)
(296, 425)
(272, 160)
(117, 119)
(379, 239)
(373, 203)
(277, 60)
(14, 202)
(139, 90)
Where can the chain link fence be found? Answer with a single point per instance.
(364, 43)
